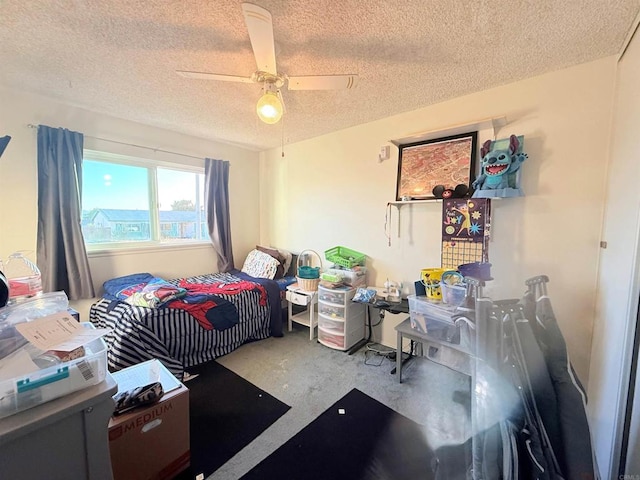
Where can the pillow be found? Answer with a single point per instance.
(275, 254)
(287, 260)
(260, 265)
(120, 288)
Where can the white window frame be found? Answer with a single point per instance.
(155, 244)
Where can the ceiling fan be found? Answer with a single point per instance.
(270, 106)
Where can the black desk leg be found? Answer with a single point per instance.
(357, 346)
(409, 357)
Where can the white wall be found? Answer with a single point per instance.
(18, 184)
(331, 191)
(619, 284)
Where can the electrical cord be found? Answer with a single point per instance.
(375, 350)
(384, 353)
(379, 321)
(380, 349)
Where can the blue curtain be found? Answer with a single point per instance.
(216, 197)
(61, 254)
(4, 141)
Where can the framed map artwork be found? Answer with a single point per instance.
(448, 161)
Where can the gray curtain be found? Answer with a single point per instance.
(61, 255)
(216, 197)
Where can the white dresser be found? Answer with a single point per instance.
(341, 322)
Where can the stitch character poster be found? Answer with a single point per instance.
(466, 226)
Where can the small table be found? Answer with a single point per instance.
(404, 330)
(295, 295)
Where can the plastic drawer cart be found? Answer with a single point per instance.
(340, 321)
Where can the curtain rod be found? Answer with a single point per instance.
(30, 125)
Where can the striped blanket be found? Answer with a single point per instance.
(175, 337)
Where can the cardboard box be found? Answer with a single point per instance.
(152, 442)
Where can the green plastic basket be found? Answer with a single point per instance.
(345, 257)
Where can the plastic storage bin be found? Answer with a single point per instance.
(331, 326)
(446, 332)
(331, 311)
(329, 339)
(354, 277)
(345, 257)
(23, 276)
(333, 296)
(453, 294)
(434, 320)
(449, 357)
(420, 307)
(32, 389)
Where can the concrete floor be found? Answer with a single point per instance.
(311, 377)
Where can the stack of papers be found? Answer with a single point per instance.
(144, 374)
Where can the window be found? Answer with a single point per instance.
(129, 202)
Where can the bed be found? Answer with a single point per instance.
(218, 313)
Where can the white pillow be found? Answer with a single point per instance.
(287, 259)
(260, 265)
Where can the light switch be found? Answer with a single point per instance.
(385, 152)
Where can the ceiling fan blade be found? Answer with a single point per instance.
(322, 82)
(214, 76)
(260, 29)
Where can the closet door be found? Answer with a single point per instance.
(632, 466)
(617, 301)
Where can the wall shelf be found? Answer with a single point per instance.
(487, 128)
(401, 203)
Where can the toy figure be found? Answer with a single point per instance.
(466, 219)
(499, 169)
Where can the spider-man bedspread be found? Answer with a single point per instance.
(185, 322)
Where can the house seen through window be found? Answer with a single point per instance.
(133, 202)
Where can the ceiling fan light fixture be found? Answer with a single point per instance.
(269, 108)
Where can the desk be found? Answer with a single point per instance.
(461, 356)
(392, 307)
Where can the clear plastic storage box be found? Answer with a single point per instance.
(50, 382)
(434, 319)
(453, 294)
(332, 311)
(421, 308)
(338, 296)
(331, 326)
(355, 277)
(333, 340)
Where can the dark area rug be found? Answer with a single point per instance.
(360, 438)
(226, 414)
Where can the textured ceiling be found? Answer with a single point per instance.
(119, 57)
